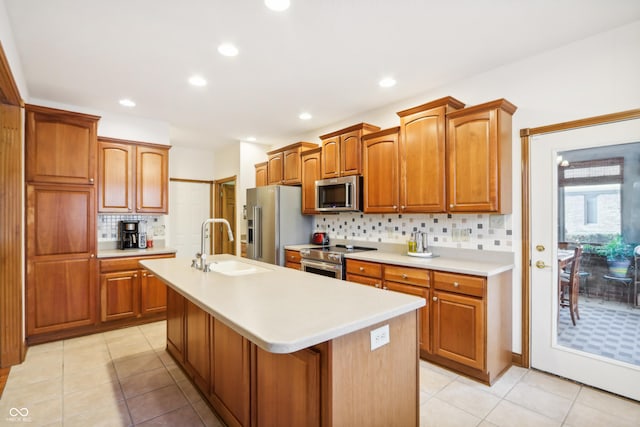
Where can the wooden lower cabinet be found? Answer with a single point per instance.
(292, 259)
(424, 334)
(130, 292)
(316, 386)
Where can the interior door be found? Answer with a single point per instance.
(547, 353)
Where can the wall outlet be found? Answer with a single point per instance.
(379, 337)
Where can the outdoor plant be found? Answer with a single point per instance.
(614, 250)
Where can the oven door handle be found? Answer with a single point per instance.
(320, 265)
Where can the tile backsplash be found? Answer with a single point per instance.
(108, 225)
(466, 231)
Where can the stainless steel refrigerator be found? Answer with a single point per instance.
(274, 220)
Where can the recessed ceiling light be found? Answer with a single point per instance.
(197, 81)
(127, 103)
(227, 49)
(387, 82)
(304, 116)
(277, 5)
(251, 138)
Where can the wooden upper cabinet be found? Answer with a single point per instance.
(133, 177)
(60, 146)
(284, 165)
(380, 171)
(152, 179)
(311, 171)
(274, 168)
(479, 158)
(422, 150)
(261, 174)
(342, 150)
(115, 176)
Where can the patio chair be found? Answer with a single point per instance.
(569, 287)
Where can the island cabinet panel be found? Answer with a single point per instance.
(291, 402)
(197, 345)
(261, 174)
(479, 158)
(422, 150)
(230, 375)
(175, 324)
(60, 146)
(311, 172)
(380, 171)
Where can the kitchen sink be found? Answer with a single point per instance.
(235, 268)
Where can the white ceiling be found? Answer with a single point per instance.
(324, 57)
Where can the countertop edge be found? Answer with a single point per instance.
(124, 253)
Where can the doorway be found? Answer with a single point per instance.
(580, 186)
(225, 207)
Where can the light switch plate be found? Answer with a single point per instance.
(380, 337)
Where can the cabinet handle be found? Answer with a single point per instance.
(452, 205)
(91, 180)
(404, 276)
(377, 285)
(135, 275)
(435, 298)
(456, 284)
(92, 255)
(385, 288)
(361, 268)
(395, 207)
(144, 274)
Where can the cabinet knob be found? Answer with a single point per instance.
(361, 268)
(395, 207)
(144, 274)
(92, 255)
(452, 205)
(90, 179)
(377, 285)
(456, 284)
(435, 298)
(385, 288)
(135, 275)
(404, 276)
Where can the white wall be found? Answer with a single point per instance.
(11, 52)
(595, 76)
(250, 154)
(191, 163)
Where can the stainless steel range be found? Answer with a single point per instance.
(328, 260)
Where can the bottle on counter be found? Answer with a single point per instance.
(149, 239)
(412, 246)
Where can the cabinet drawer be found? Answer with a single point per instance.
(468, 285)
(364, 268)
(412, 276)
(108, 265)
(364, 280)
(292, 256)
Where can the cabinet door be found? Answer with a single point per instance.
(380, 170)
(119, 295)
(311, 171)
(291, 167)
(60, 246)
(261, 175)
(275, 168)
(152, 179)
(423, 327)
(351, 153)
(422, 156)
(153, 294)
(60, 146)
(287, 388)
(60, 294)
(230, 373)
(115, 177)
(331, 157)
(197, 340)
(458, 328)
(175, 324)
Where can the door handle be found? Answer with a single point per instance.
(541, 264)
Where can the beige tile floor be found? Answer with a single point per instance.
(125, 378)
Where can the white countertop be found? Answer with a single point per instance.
(478, 267)
(117, 253)
(282, 310)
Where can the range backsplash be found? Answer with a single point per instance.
(470, 231)
(108, 225)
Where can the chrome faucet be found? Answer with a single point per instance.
(200, 262)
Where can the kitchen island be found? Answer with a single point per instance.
(268, 345)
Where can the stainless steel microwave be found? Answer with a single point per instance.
(339, 194)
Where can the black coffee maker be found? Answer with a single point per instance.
(128, 234)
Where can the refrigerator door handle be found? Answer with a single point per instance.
(257, 232)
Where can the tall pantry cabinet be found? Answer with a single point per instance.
(60, 171)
